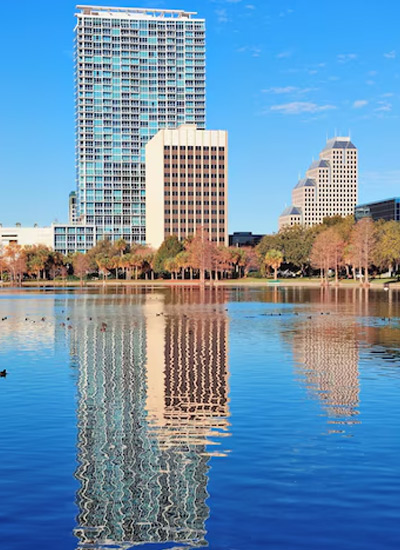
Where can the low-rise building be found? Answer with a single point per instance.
(63, 238)
(244, 238)
(387, 210)
(27, 236)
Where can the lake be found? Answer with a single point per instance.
(236, 418)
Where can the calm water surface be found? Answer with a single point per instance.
(232, 419)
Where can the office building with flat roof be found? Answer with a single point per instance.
(330, 187)
(387, 210)
(244, 238)
(137, 71)
(187, 184)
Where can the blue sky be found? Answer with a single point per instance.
(281, 76)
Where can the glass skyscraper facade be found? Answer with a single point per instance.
(137, 71)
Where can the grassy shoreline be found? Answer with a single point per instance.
(249, 282)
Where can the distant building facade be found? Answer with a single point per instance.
(330, 187)
(26, 236)
(71, 238)
(244, 238)
(387, 210)
(187, 184)
(63, 238)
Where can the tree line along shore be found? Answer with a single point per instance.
(336, 250)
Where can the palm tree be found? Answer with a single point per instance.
(120, 246)
(103, 263)
(274, 258)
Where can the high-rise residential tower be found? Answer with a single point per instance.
(137, 71)
(187, 184)
(329, 189)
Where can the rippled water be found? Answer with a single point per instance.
(228, 419)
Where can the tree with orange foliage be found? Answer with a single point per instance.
(15, 262)
(327, 253)
(81, 265)
(363, 241)
(201, 251)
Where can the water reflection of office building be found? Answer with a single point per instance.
(326, 353)
(152, 390)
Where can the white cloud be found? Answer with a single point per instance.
(255, 51)
(359, 103)
(345, 57)
(383, 107)
(390, 55)
(287, 90)
(250, 7)
(283, 55)
(222, 15)
(286, 12)
(300, 107)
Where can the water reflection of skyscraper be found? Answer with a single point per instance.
(326, 353)
(152, 394)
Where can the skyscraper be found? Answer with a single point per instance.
(329, 188)
(137, 71)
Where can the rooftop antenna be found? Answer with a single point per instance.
(349, 134)
(335, 132)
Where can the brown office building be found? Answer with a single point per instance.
(187, 184)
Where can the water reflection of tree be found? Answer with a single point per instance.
(153, 395)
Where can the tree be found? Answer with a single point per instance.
(250, 260)
(15, 262)
(120, 246)
(268, 242)
(274, 258)
(363, 241)
(336, 251)
(387, 254)
(321, 255)
(103, 264)
(362, 245)
(183, 263)
(172, 266)
(38, 259)
(296, 243)
(3, 265)
(170, 248)
(201, 252)
(81, 265)
(223, 260)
